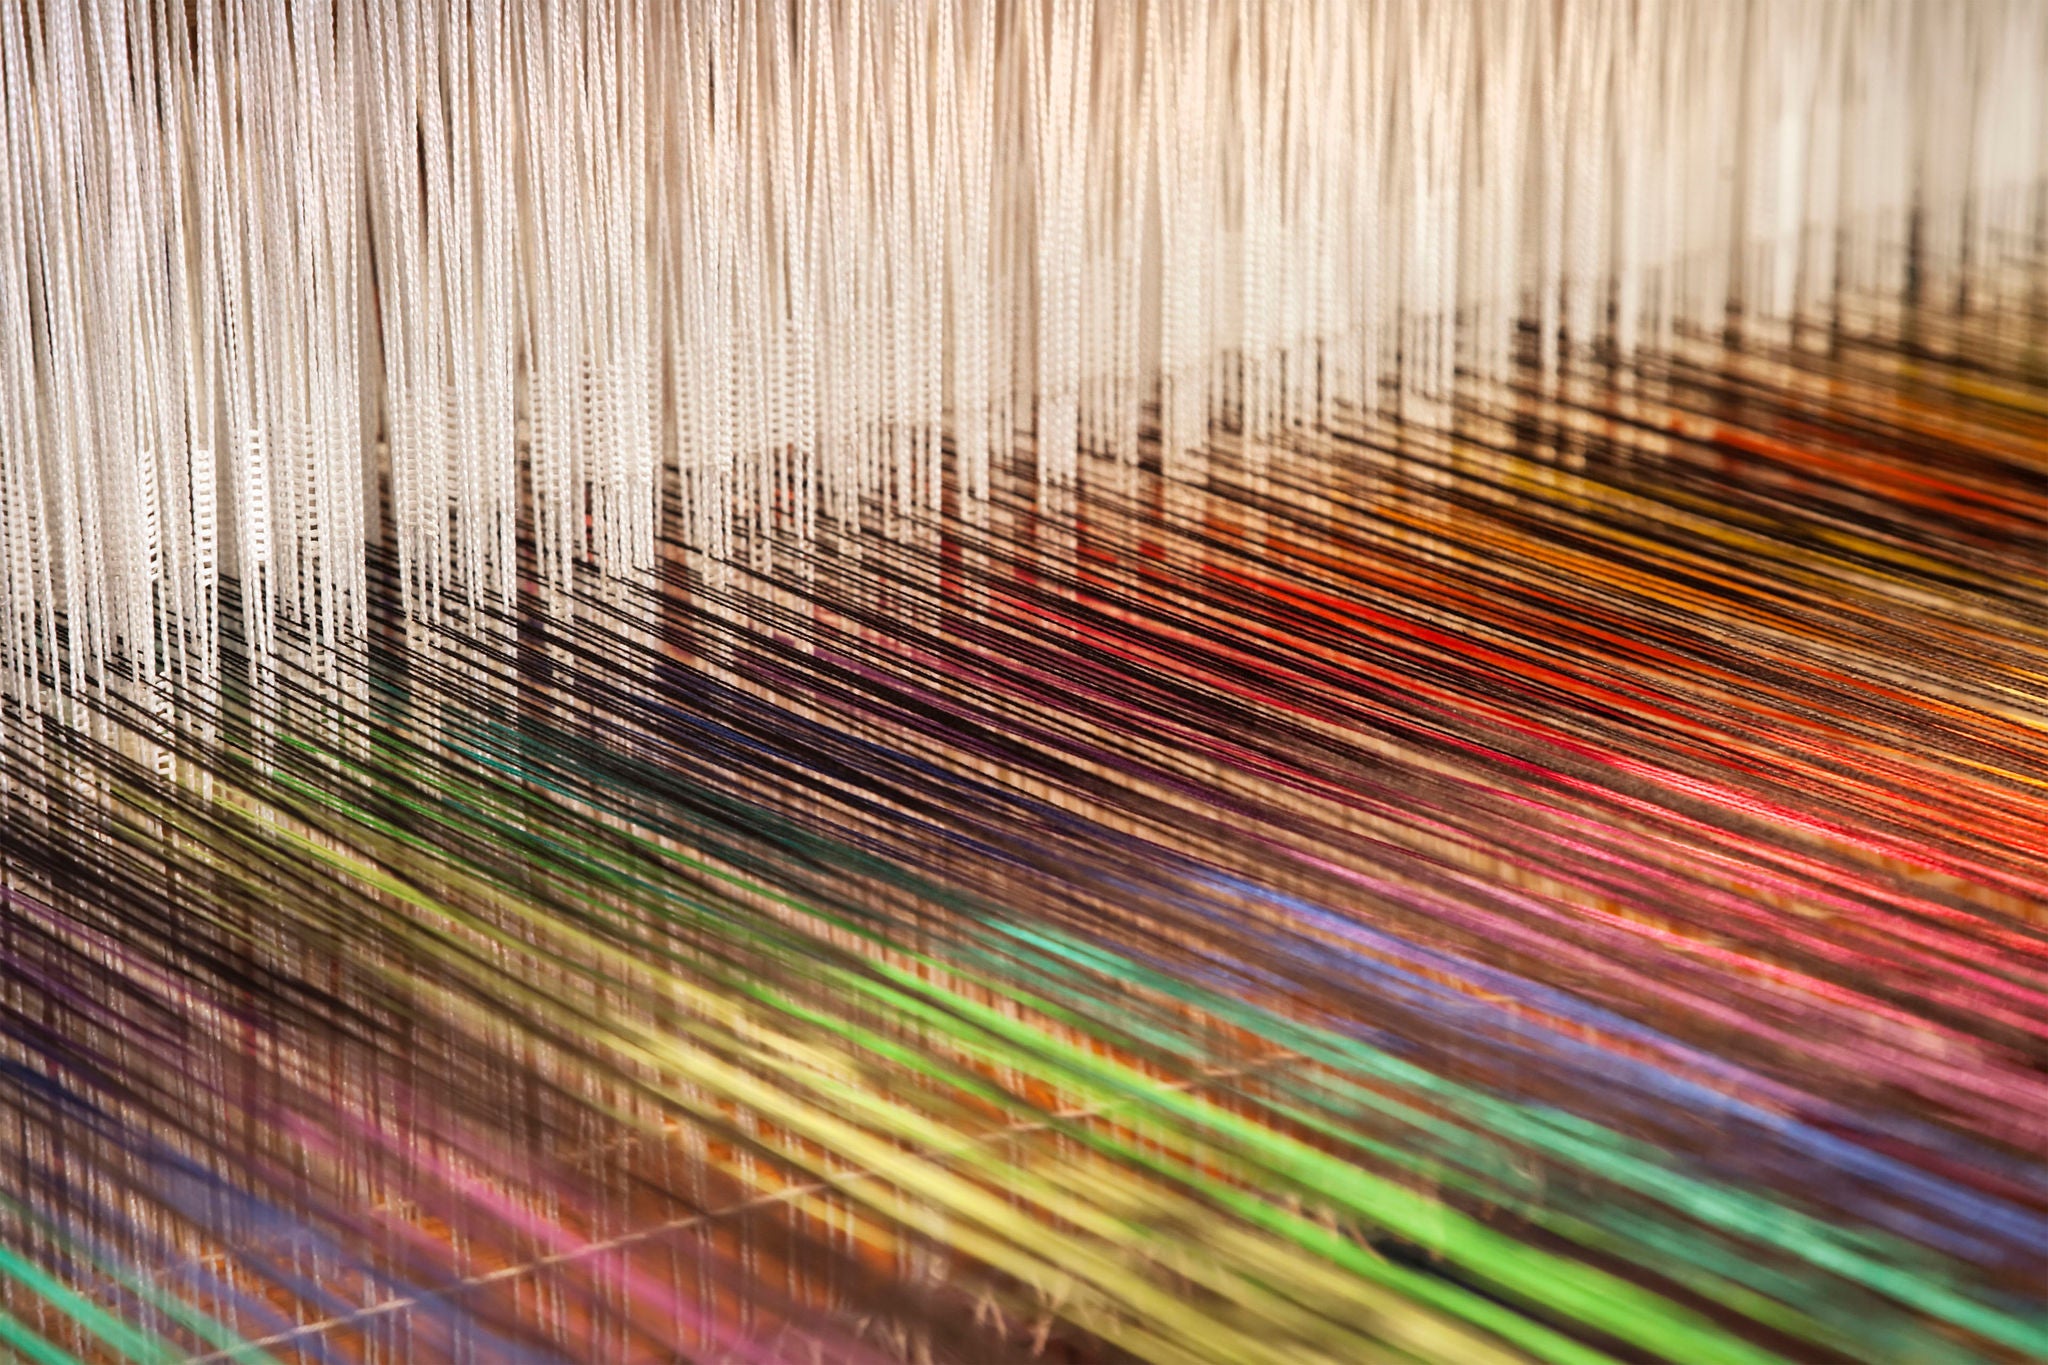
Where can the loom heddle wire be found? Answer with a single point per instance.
(538, 264)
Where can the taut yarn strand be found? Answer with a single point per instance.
(925, 682)
(269, 268)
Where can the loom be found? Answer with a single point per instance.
(952, 681)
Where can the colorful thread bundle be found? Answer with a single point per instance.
(728, 850)
(1563, 890)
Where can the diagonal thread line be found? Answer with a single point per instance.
(503, 1274)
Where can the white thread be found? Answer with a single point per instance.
(814, 261)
